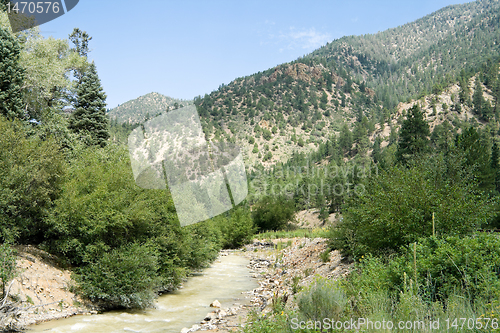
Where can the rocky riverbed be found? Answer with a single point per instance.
(281, 267)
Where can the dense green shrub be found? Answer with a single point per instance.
(237, 229)
(201, 243)
(31, 173)
(101, 210)
(397, 207)
(456, 265)
(273, 213)
(126, 277)
(465, 266)
(11, 76)
(266, 134)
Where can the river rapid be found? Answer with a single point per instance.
(224, 280)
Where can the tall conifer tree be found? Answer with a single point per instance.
(413, 139)
(477, 98)
(11, 77)
(89, 118)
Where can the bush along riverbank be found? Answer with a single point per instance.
(416, 258)
(123, 244)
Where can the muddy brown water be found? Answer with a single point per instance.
(224, 280)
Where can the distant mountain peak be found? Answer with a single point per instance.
(144, 107)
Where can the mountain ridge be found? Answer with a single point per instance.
(144, 107)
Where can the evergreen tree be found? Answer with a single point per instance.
(494, 163)
(463, 95)
(393, 136)
(413, 139)
(442, 137)
(81, 41)
(345, 139)
(477, 98)
(477, 157)
(89, 118)
(11, 77)
(376, 149)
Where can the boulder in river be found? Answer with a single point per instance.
(215, 304)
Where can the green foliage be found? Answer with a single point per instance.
(89, 119)
(11, 77)
(413, 139)
(458, 264)
(255, 149)
(81, 41)
(397, 207)
(7, 265)
(273, 213)
(445, 267)
(48, 64)
(480, 104)
(125, 277)
(301, 142)
(278, 322)
(323, 299)
(345, 139)
(475, 149)
(315, 233)
(31, 175)
(238, 229)
(266, 134)
(268, 156)
(101, 208)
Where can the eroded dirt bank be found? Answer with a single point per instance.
(41, 291)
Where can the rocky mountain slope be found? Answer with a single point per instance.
(298, 105)
(357, 84)
(144, 107)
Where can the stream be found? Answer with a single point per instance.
(224, 280)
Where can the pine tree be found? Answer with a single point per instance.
(345, 139)
(477, 98)
(81, 41)
(494, 163)
(11, 77)
(475, 147)
(413, 139)
(376, 149)
(89, 118)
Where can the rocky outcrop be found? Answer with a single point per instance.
(303, 72)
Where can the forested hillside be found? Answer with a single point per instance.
(297, 105)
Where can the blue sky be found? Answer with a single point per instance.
(188, 48)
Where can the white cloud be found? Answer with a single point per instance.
(305, 38)
(293, 38)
